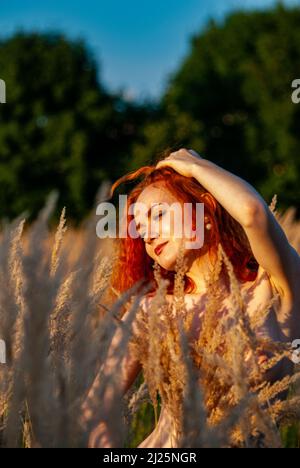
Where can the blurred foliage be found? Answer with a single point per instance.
(291, 436)
(59, 128)
(143, 423)
(230, 100)
(143, 420)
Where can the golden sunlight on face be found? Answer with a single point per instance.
(162, 220)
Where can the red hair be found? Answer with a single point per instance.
(134, 264)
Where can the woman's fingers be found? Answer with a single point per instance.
(194, 153)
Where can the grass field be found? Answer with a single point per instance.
(57, 324)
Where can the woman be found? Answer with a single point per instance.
(235, 216)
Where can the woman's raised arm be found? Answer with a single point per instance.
(267, 239)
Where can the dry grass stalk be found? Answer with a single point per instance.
(58, 319)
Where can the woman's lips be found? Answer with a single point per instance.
(159, 248)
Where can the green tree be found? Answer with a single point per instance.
(59, 128)
(231, 100)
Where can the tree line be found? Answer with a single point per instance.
(230, 100)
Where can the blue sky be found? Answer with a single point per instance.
(137, 43)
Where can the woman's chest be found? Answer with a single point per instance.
(258, 299)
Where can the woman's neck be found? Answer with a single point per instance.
(202, 267)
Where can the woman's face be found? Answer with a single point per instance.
(163, 222)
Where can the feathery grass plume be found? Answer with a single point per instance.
(137, 397)
(99, 288)
(287, 412)
(11, 280)
(232, 348)
(155, 330)
(211, 338)
(273, 204)
(112, 319)
(227, 384)
(176, 373)
(40, 293)
(158, 350)
(59, 314)
(193, 429)
(180, 270)
(271, 390)
(11, 330)
(163, 369)
(106, 387)
(85, 326)
(15, 394)
(260, 315)
(14, 263)
(62, 228)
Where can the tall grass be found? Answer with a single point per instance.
(58, 316)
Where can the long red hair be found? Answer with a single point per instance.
(134, 264)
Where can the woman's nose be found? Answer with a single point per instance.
(151, 236)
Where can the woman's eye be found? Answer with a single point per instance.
(142, 234)
(159, 214)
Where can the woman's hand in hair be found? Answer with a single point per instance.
(182, 161)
